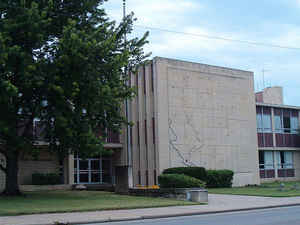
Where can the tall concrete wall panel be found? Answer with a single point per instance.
(206, 117)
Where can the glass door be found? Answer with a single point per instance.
(92, 171)
(95, 171)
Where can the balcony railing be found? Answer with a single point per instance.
(282, 140)
(111, 136)
(267, 173)
(265, 139)
(287, 140)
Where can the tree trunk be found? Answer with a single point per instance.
(11, 172)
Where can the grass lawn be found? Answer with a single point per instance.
(265, 189)
(71, 201)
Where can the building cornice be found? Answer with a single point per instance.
(278, 106)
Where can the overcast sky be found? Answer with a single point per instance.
(274, 22)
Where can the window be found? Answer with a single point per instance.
(261, 160)
(286, 121)
(269, 161)
(284, 159)
(266, 160)
(259, 123)
(285, 165)
(267, 124)
(263, 120)
(278, 124)
(294, 125)
(287, 124)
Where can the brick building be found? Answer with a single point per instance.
(278, 136)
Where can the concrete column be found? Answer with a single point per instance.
(70, 165)
(273, 127)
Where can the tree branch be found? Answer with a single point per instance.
(4, 154)
(2, 168)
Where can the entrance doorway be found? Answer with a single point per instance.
(93, 171)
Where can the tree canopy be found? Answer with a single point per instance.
(62, 62)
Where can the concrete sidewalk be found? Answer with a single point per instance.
(217, 203)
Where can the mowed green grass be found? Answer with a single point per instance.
(76, 201)
(291, 189)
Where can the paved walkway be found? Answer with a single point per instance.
(217, 203)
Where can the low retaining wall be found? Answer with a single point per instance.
(45, 187)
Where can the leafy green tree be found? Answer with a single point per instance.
(61, 61)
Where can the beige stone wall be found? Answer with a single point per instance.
(144, 157)
(273, 95)
(205, 116)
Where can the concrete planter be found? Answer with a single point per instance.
(179, 193)
(198, 196)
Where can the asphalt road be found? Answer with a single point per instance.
(276, 216)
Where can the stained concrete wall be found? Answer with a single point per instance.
(273, 95)
(205, 116)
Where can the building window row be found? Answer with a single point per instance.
(273, 164)
(286, 121)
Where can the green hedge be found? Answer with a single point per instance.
(179, 181)
(45, 179)
(196, 172)
(219, 178)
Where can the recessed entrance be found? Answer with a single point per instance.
(93, 171)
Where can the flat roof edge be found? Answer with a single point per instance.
(278, 105)
(204, 64)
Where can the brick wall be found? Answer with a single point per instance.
(45, 163)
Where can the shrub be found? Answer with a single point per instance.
(196, 172)
(179, 181)
(219, 178)
(45, 179)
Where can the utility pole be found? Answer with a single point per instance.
(127, 109)
(263, 76)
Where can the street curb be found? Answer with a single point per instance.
(136, 218)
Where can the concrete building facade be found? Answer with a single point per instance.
(188, 114)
